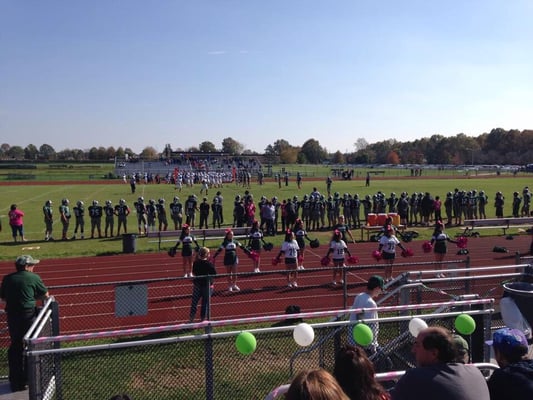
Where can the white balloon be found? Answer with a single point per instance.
(416, 325)
(303, 334)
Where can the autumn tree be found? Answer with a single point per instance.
(231, 146)
(31, 152)
(207, 147)
(393, 158)
(149, 153)
(47, 152)
(314, 153)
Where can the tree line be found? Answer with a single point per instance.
(499, 146)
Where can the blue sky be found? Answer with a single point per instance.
(77, 74)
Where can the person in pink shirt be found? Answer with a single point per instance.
(16, 222)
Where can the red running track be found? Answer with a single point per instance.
(85, 287)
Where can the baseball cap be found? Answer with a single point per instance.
(509, 340)
(375, 281)
(25, 260)
(460, 344)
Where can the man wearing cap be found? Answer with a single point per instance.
(365, 300)
(514, 379)
(19, 291)
(437, 376)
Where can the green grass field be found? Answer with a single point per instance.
(31, 196)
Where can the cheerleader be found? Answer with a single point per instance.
(300, 235)
(387, 249)
(291, 251)
(255, 240)
(229, 246)
(439, 242)
(186, 240)
(339, 249)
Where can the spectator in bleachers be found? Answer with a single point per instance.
(461, 349)
(437, 375)
(315, 384)
(355, 374)
(514, 379)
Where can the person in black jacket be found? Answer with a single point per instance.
(203, 271)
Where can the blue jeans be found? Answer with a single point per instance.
(200, 292)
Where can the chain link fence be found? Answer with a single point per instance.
(203, 362)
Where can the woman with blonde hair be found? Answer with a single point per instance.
(317, 384)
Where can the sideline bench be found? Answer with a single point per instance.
(492, 223)
(376, 228)
(203, 234)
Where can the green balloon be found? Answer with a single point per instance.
(245, 343)
(362, 334)
(465, 324)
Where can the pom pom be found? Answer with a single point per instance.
(427, 247)
(376, 254)
(314, 243)
(324, 261)
(353, 260)
(172, 252)
(275, 261)
(407, 253)
(268, 246)
(462, 242)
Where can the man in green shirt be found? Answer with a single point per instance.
(20, 291)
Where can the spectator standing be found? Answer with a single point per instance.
(437, 376)
(514, 379)
(16, 222)
(366, 300)
(203, 271)
(20, 291)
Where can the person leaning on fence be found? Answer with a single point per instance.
(316, 384)
(374, 287)
(355, 374)
(20, 290)
(203, 271)
(437, 375)
(514, 379)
